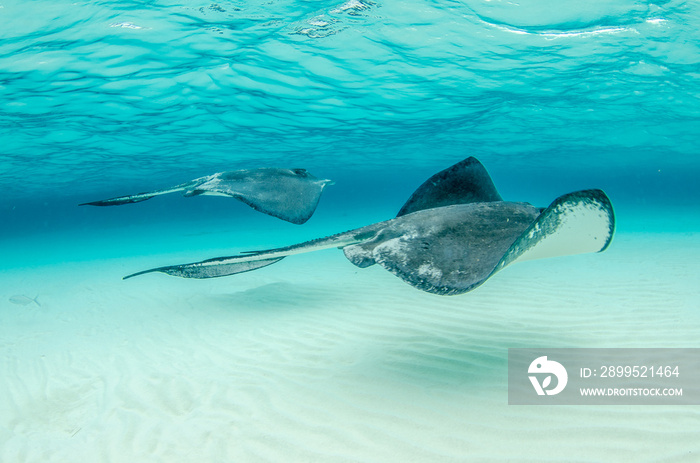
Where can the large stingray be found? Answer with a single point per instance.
(289, 194)
(451, 235)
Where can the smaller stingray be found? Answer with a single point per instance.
(288, 194)
(452, 234)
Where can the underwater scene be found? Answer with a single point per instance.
(336, 218)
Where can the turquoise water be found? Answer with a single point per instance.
(103, 99)
(100, 99)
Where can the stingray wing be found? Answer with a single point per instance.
(466, 182)
(463, 183)
(446, 250)
(288, 194)
(575, 223)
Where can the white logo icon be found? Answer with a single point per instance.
(542, 365)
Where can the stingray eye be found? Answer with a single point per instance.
(300, 172)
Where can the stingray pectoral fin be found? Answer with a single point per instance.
(451, 249)
(212, 268)
(463, 183)
(288, 194)
(575, 223)
(289, 208)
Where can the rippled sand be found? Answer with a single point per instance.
(315, 360)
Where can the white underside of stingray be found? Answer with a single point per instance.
(453, 234)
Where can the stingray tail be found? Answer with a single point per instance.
(212, 268)
(137, 198)
(253, 260)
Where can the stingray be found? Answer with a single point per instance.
(289, 194)
(453, 234)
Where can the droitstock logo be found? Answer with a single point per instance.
(541, 366)
(602, 376)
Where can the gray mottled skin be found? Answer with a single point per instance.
(289, 194)
(445, 250)
(451, 236)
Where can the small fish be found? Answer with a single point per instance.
(21, 299)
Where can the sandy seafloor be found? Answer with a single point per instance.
(315, 360)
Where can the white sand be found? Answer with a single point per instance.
(315, 360)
